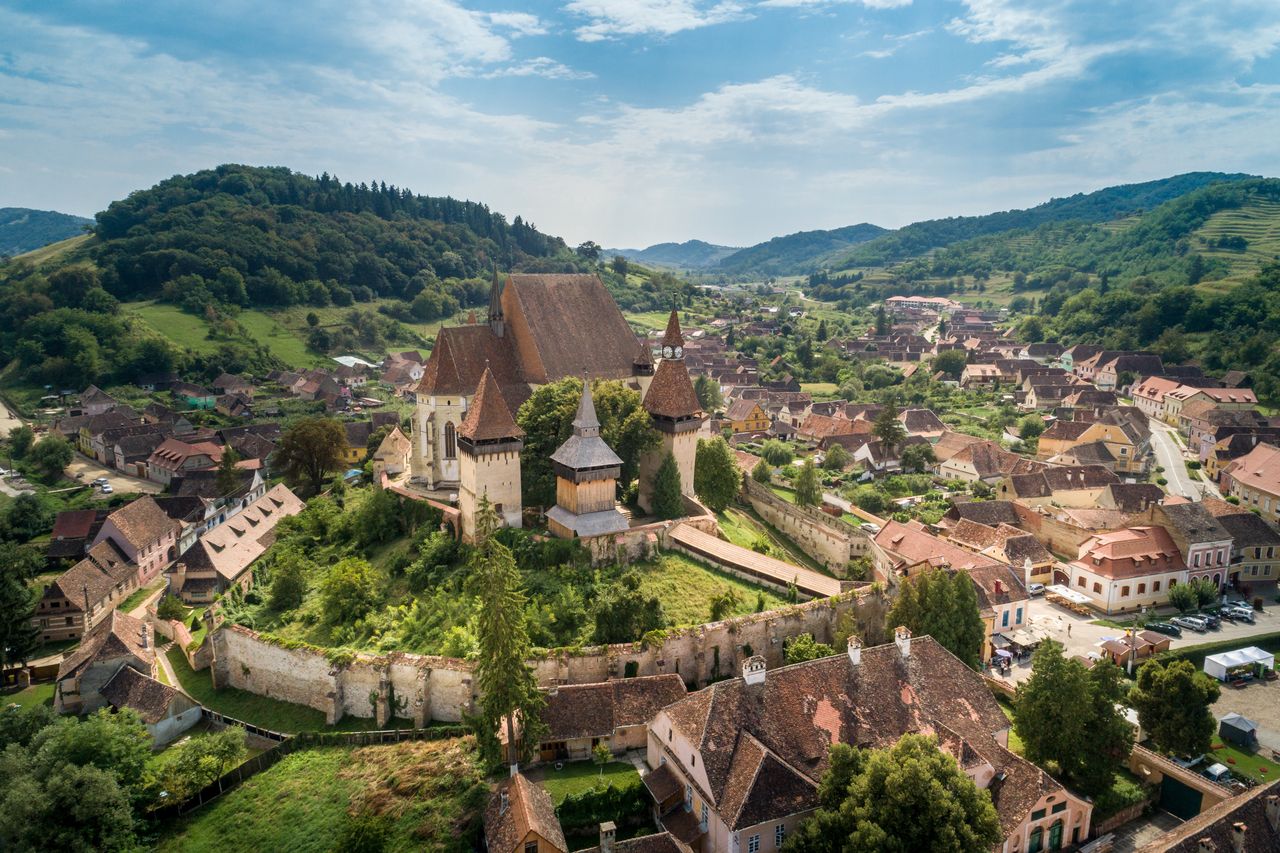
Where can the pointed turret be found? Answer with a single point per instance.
(489, 419)
(497, 321)
(670, 397)
(672, 339)
(586, 423)
(586, 471)
(584, 455)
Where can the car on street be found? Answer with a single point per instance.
(101, 481)
(1240, 613)
(1211, 619)
(1168, 628)
(1195, 623)
(1035, 589)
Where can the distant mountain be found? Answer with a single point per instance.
(689, 255)
(797, 252)
(23, 229)
(1101, 206)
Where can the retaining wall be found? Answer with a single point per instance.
(425, 688)
(829, 540)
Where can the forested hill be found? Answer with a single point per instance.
(795, 252)
(689, 255)
(23, 229)
(269, 236)
(1100, 206)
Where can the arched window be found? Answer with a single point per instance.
(450, 441)
(1037, 841)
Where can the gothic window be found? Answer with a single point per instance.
(450, 441)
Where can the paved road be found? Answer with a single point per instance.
(1169, 455)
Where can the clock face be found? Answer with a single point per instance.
(668, 352)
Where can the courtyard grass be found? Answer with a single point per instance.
(686, 588)
(427, 794)
(36, 694)
(743, 527)
(578, 776)
(262, 711)
(1242, 763)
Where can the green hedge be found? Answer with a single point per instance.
(593, 807)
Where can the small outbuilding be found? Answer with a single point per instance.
(1225, 665)
(1238, 730)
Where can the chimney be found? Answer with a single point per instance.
(753, 670)
(505, 802)
(146, 636)
(1239, 832)
(607, 831)
(902, 636)
(855, 650)
(1272, 810)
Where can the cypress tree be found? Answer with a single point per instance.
(667, 502)
(808, 489)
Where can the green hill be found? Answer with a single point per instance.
(794, 253)
(23, 229)
(689, 255)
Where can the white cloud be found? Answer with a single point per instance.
(520, 23)
(541, 66)
(613, 18)
(870, 4)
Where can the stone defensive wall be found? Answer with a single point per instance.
(830, 540)
(424, 688)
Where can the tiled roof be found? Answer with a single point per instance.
(740, 409)
(73, 523)
(1194, 522)
(141, 522)
(232, 546)
(985, 512)
(662, 783)
(659, 842)
(103, 568)
(1065, 430)
(919, 421)
(584, 448)
(460, 357)
(129, 688)
(117, 635)
(489, 418)
(672, 337)
(1258, 469)
(595, 710)
(528, 809)
(911, 544)
(1092, 453)
(1131, 552)
(395, 443)
(820, 426)
(671, 394)
(1132, 497)
(1257, 811)
(951, 443)
(1061, 478)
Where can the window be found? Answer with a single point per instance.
(693, 760)
(1195, 561)
(531, 847)
(1270, 552)
(1142, 589)
(450, 441)
(1004, 621)
(1062, 806)
(779, 835)
(702, 819)
(1017, 619)
(1038, 814)
(670, 734)
(1124, 592)
(1037, 841)
(1080, 581)
(1254, 571)
(1097, 587)
(753, 844)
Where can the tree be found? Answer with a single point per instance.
(590, 251)
(72, 808)
(808, 488)
(310, 450)
(1182, 596)
(909, 797)
(951, 362)
(708, 391)
(1030, 427)
(202, 761)
(762, 473)
(1067, 715)
(20, 441)
(888, 428)
(1206, 592)
(506, 684)
(50, 455)
(724, 603)
(1031, 330)
(288, 582)
(837, 458)
(619, 265)
(600, 756)
(716, 478)
(804, 647)
(19, 638)
(171, 608)
(624, 613)
(883, 324)
(227, 478)
(1174, 704)
(667, 500)
(944, 605)
(822, 333)
(350, 589)
(547, 420)
(26, 518)
(776, 453)
(918, 458)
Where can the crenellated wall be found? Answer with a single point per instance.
(827, 539)
(425, 688)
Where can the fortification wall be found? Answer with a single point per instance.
(827, 539)
(425, 688)
(1058, 536)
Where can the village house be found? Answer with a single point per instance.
(193, 396)
(1006, 544)
(1060, 485)
(229, 383)
(144, 534)
(520, 818)
(175, 457)
(1246, 823)
(1255, 545)
(73, 530)
(220, 559)
(979, 376)
(1201, 539)
(1135, 646)
(1119, 373)
(1254, 479)
(615, 713)
(118, 641)
(85, 594)
(392, 456)
(922, 422)
(741, 760)
(1076, 355)
(746, 416)
(984, 461)
(165, 711)
(95, 401)
(1128, 447)
(1126, 569)
(1148, 394)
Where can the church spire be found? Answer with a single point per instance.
(672, 339)
(496, 321)
(586, 423)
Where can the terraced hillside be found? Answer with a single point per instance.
(1257, 223)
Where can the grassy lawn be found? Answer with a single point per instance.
(428, 794)
(261, 710)
(140, 594)
(819, 387)
(36, 694)
(579, 776)
(170, 321)
(686, 589)
(1243, 763)
(284, 344)
(744, 527)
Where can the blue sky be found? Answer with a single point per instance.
(636, 121)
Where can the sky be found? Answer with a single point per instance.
(631, 122)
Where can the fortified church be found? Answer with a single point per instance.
(540, 329)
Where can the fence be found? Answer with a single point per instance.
(286, 745)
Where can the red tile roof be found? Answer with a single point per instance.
(489, 419)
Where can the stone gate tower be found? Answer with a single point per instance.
(676, 413)
(489, 445)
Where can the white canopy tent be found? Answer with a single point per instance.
(1067, 593)
(1219, 664)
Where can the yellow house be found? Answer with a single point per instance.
(1122, 441)
(357, 446)
(521, 819)
(747, 416)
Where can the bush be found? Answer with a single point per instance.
(171, 608)
(1193, 465)
(591, 808)
(1161, 481)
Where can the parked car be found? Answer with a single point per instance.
(1168, 628)
(1218, 773)
(1240, 613)
(1035, 589)
(101, 481)
(106, 489)
(1195, 623)
(1210, 618)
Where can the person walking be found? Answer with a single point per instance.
(1068, 630)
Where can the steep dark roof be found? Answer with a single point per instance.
(990, 513)
(671, 394)
(672, 337)
(117, 635)
(1195, 523)
(528, 809)
(489, 419)
(460, 357)
(1257, 811)
(595, 710)
(584, 448)
(129, 688)
(1133, 497)
(103, 568)
(1248, 530)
